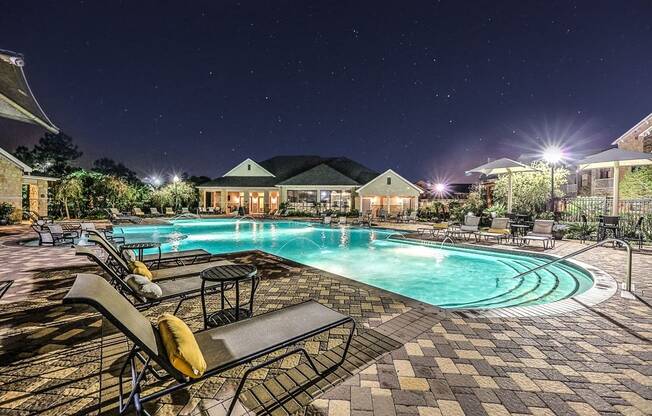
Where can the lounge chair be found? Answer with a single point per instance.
(153, 211)
(116, 217)
(499, 230)
(181, 258)
(53, 234)
(437, 229)
(169, 211)
(181, 288)
(4, 287)
(222, 348)
(185, 210)
(138, 212)
(467, 230)
(542, 231)
(341, 220)
(123, 268)
(327, 220)
(37, 219)
(408, 218)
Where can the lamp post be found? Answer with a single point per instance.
(552, 155)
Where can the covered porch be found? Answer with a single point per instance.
(254, 201)
(35, 194)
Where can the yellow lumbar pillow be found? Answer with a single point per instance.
(441, 225)
(180, 344)
(138, 267)
(499, 231)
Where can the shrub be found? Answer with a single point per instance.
(6, 209)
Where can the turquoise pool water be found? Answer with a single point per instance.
(446, 277)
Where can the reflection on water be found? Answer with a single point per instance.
(440, 276)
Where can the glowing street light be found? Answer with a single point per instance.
(156, 181)
(440, 188)
(175, 179)
(552, 155)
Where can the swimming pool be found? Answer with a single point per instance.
(448, 277)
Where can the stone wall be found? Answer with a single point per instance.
(11, 185)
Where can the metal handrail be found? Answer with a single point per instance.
(628, 280)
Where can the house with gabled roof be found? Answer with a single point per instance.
(308, 183)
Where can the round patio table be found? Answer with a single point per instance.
(229, 276)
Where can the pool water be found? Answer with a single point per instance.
(444, 276)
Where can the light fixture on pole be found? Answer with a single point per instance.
(552, 155)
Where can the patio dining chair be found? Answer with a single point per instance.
(212, 351)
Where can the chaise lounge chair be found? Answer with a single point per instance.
(185, 210)
(182, 288)
(467, 230)
(153, 211)
(499, 230)
(4, 287)
(438, 228)
(542, 231)
(221, 348)
(138, 212)
(53, 234)
(169, 211)
(328, 220)
(181, 258)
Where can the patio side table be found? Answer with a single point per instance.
(229, 276)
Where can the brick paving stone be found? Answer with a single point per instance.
(408, 359)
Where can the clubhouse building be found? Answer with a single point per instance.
(308, 183)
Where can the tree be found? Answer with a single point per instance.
(52, 155)
(176, 194)
(531, 190)
(637, 184)
(117, 169)
(70, 190)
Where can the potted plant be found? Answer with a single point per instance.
(6, 209)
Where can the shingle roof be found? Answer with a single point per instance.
(303, 170)
(321, 174)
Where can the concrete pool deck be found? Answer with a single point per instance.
(409, 358)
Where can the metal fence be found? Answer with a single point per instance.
(629, 210)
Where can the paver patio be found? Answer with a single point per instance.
(408, 358)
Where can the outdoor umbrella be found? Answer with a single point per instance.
(615, 158)
(501, 167)
(17, 101)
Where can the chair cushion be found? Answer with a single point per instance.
(181, 346)
(138, 267)
(498, 231)
(143, 286)
(440, 225)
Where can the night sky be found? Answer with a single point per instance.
(429, 89)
